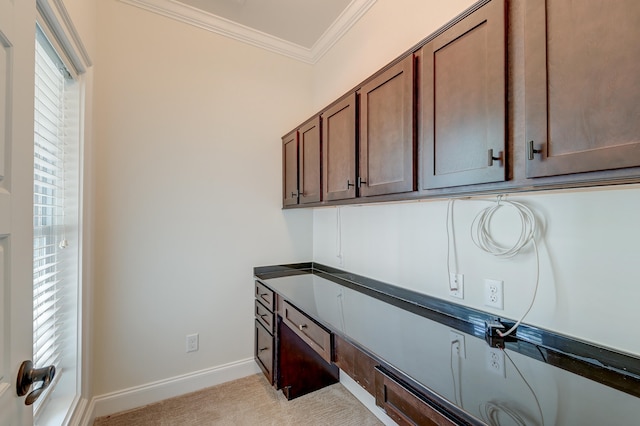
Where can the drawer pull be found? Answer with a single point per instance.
(492, 158)
(302, 326)
(531, 151)
(263, 315)
(263, 349)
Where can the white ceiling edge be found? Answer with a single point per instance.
(349, 16)
(210, 22)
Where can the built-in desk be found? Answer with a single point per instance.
(443, 359)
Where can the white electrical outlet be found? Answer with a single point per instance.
(192, 342)
(495, 361)
(494, 293)
(457, 344)
(456, 281)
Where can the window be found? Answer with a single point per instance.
(55, 225)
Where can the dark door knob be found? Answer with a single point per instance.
(27, 375)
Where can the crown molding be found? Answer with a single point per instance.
(347, 19)
(190, 15)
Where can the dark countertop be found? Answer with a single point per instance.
(536, 378)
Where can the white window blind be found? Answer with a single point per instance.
(48, 205)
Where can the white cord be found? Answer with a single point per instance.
(339, 235)
(451, 241)
(481, 232)
(481, 236)
(490, 411)
(457, 384)
(504, 351)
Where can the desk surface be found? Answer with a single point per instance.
(502, 387)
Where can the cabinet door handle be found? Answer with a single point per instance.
(349, 184)
(295, 194)
(491, 158)
(360, 182)
(264, 296)
(531, 150)
(302, 326)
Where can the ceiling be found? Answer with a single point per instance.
(298, 21)
(302, 29)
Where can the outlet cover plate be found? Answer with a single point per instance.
(495, 361)
(192, 342)
(457, 344)
(494, 293)
(456, 281)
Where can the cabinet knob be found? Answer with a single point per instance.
(302, 326)
(531, 150)
(491, 158)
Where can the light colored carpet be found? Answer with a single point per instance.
(249, 401)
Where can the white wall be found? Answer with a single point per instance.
(589, 239)
(188, 190)
(588, 253)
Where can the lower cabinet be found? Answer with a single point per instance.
(357, 364)
(404, 405)
(264, 351)
(298, 356)
(300, 368)
(292, 350)
(264, 348)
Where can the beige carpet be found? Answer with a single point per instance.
(249, 401)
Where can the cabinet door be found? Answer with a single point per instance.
(309, 162)
(339, 149)
(264, 350)
(403, 405)
(387, 132)
(463, 101)
(357, 364)
(290, 169)
(582, 88)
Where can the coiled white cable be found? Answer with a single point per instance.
(481, 232)
(490, 413)
(481, 236)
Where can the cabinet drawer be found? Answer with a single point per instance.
(403, 405)
(357, 364)
(264, 316)
(265, 295)
(314, 335)
(264, 351)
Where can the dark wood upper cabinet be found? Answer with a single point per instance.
(290, 169)
(309, 162)
(463, 101)
(301, 168)
(582, 86)
(386, 142)
(339, 149)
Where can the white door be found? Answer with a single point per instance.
(17, 40)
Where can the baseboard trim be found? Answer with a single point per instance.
(139, 396)
(78, 413)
